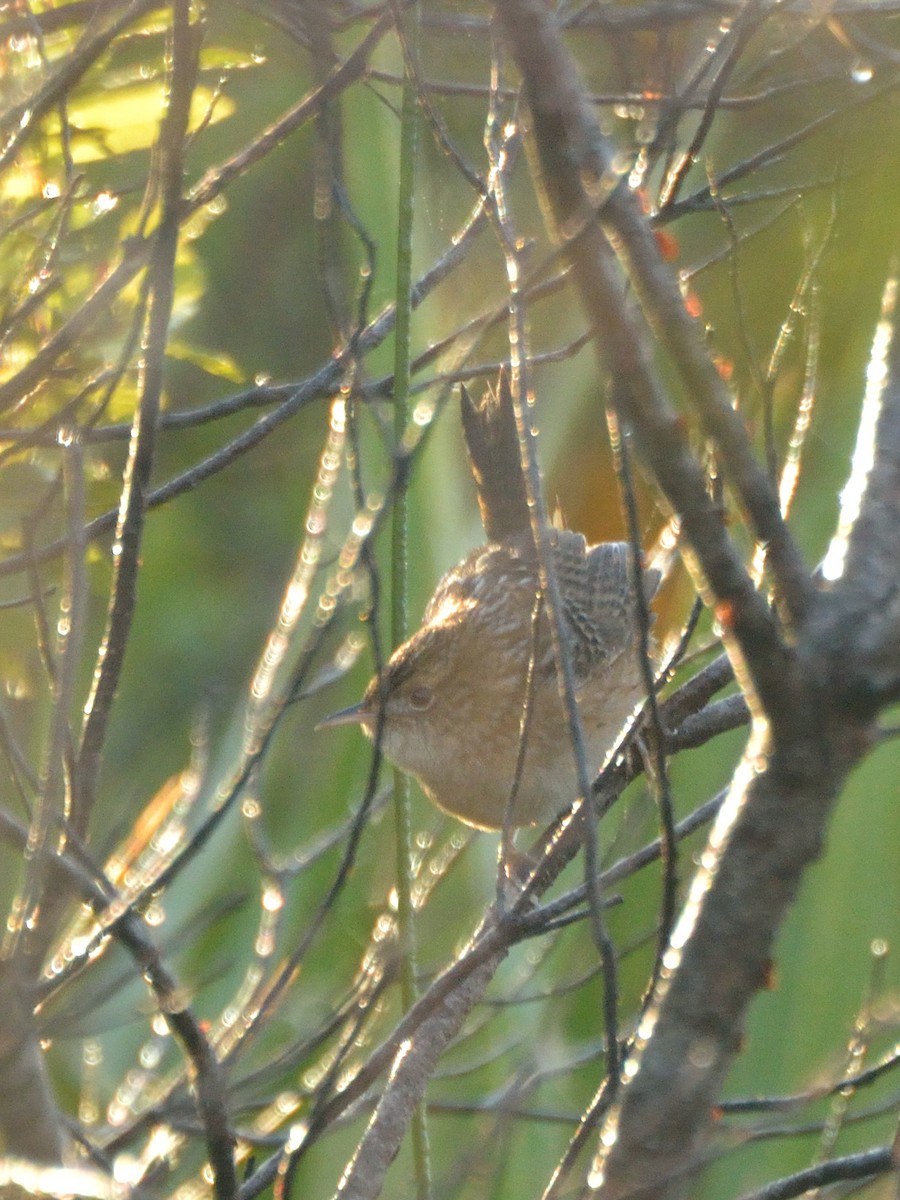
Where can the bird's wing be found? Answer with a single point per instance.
(596, 596)
(597, 599)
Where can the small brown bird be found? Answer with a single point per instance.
(455, 692)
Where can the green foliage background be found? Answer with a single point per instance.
(216, 561)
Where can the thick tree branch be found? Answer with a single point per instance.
(772, 825)
(859, 630)
(29, 1117)
(413, 1067)
(570, 149)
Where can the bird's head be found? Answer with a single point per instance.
(434, 695)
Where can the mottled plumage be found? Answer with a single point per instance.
(454, 693)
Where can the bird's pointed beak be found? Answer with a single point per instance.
(356, 714)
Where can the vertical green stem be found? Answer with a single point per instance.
(400, 557)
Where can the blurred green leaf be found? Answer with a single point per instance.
(128, 118)
(215, 363)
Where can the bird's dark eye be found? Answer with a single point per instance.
(421, 696)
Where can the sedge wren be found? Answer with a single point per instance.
(454, 694)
